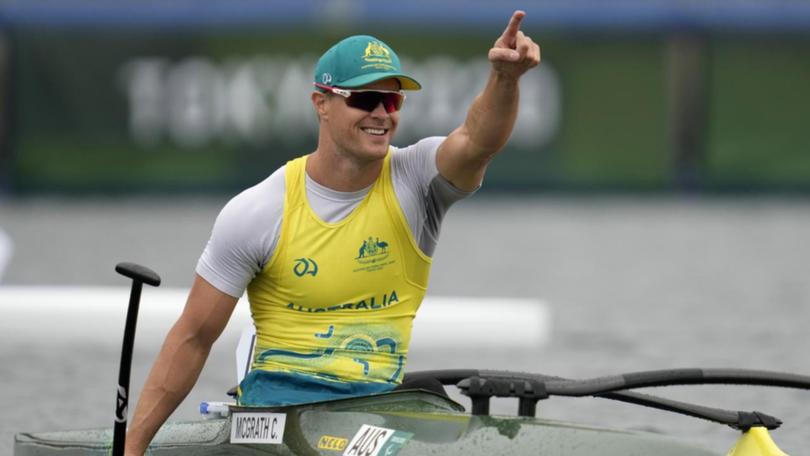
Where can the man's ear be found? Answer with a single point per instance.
(319, 102)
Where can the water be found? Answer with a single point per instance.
(634, 284)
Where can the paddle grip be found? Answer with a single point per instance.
(138, 273)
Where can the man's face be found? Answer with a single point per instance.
(361, 134)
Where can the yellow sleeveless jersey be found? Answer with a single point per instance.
(337, 300)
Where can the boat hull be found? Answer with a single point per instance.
(429, 423)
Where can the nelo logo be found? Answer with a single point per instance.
(304, 266)
(328, 442)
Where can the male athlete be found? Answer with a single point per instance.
(334, 248)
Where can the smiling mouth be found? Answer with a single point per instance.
(375, 131)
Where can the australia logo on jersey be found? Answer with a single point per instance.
(372, 251)
(373, 254)
(304, 266)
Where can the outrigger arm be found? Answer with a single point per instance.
(481, 386)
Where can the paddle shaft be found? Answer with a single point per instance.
(122, 396)
(139, 275)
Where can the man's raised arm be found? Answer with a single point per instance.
(463, 157)
(179, 362)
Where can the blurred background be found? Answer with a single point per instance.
(653, 194)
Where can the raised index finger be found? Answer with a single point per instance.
(510, 34)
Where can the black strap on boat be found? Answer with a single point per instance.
(748, 420)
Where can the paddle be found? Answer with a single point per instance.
(140, 275)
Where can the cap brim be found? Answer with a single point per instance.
(406, 82)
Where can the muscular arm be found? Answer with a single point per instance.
(179, 362)
(463, 157)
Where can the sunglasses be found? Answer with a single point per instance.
(368, 100)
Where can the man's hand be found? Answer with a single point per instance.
(514, 52)
(463, 157)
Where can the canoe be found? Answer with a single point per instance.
(423, 422)
(400, 422)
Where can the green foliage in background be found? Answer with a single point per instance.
(759, 128)
(70, 121)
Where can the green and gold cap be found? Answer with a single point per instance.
(359, 60)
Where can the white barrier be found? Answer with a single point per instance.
(96, 314)
(6, 250)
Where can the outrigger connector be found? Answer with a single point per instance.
(480, 390)
(140, 275)
(756, 441)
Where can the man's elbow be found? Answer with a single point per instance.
(192, 334)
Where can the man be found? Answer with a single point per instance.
(334, 248)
